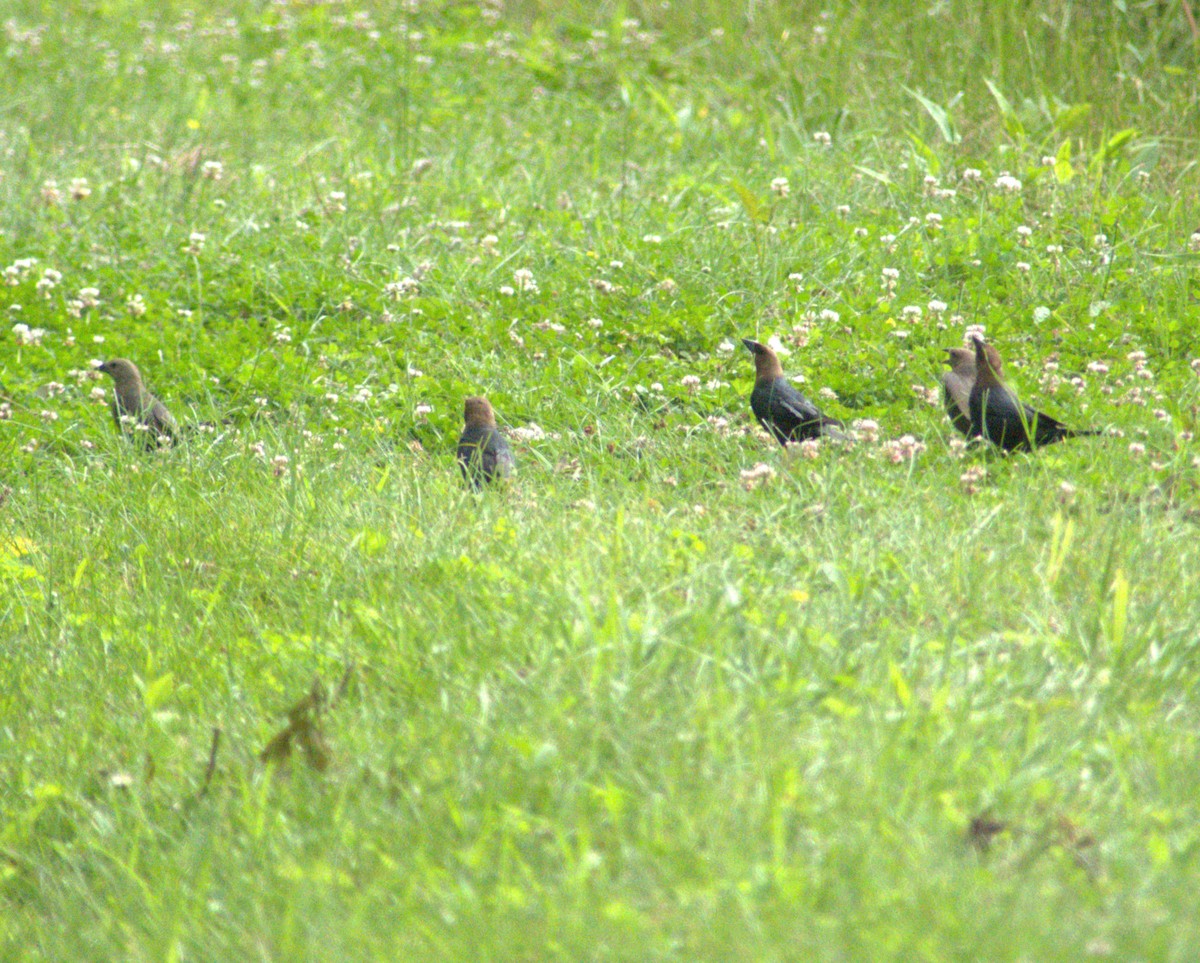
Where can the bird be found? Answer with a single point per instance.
(958, 381)
(1003, 420)
(483, 453)
(134, 409)
(781, 409)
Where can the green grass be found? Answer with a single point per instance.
(635, 705)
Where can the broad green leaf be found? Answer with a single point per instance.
(754, 208)
(940, 116)
(158, 691)
(1063, 171)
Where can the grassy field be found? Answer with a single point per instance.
(674, 693)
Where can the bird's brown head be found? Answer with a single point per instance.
(962, 360)
(477, 412)
(122, 371)
(766, 361)
(987, 364)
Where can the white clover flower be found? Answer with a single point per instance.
(781, 186)
(26, 335)
(822, 137)
(212, 170)
(398, 290)
(971, 478)
(523, 281)
(776, 345)
(973, 331)
(1040, 314)
(528, 433)
(866, 428)
(1006, 182)
(829, 315)
(904, 448)
(936, 307)
(753, 477)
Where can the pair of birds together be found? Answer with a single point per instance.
(978, 402)
(483, 453)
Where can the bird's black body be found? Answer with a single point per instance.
(1003, 420)
(780, 408)
(484, 455)
(787, 414)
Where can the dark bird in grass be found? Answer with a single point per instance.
(958, 382)
(1003, 420)
(779, 407)
(135, 411)
(483, 453)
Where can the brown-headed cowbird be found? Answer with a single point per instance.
(958, 382)
(483, 453)
(135, 410)
(1003, 420)
(779, 407)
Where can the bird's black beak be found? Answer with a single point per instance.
(753, 346)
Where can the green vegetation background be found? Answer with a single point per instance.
(650, 702)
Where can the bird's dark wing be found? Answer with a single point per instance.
(484, 454)
(996, 417)
(498, 457)
(1046, 430)
(786, 413)
(160, 421)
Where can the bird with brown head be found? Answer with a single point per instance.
(135, 410)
